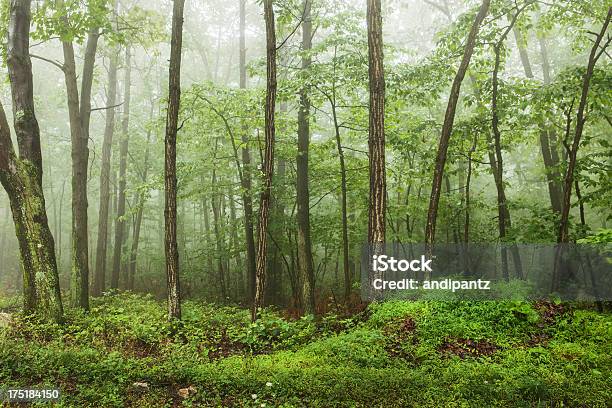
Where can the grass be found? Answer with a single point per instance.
(396, 354)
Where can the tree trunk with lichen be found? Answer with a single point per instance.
(21, 176)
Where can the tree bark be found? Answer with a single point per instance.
(447, 127)
(21, 176)
(120, 226)
(246, 165)
(99, 281)
(268, 162)
(303, 195)
(376, 137)
(170, 181)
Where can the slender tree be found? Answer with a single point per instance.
(268, 159)
(376, 139)
(447, 127)
(174, 96)
(21, 175)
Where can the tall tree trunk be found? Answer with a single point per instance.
(120, 226)
(21, 176)
(170, 182)
(246, 165)
(376, 137)
(303, 195)
(447, 127)
(268, 163)
(99, 280)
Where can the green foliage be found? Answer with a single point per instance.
(96, 358)
(603, 236)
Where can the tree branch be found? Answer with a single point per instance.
(50, 61)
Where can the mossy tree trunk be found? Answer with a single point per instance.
(21, 176)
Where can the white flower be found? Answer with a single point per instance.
(262, 405)
(486, 382)
(254, 396)
(268, 384)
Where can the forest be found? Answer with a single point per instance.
(192, 191)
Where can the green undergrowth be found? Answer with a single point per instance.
(395, 354)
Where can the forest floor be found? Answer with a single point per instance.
(394, 354)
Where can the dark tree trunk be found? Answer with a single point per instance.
(245, 181)
(447, 127)
(376, 137)
(304, 243)
(21, 176)
(120, 225)
(170, 182)
(268, 162)
(99, 281)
